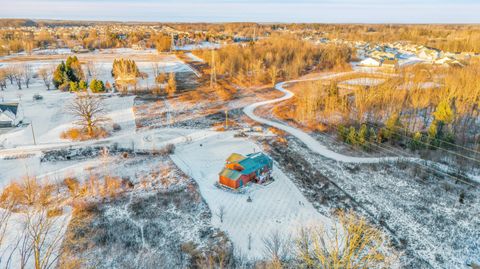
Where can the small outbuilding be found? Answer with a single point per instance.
(240, 170)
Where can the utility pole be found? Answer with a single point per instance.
(213, 73)
(172, 45)
(226, 119)
(33, 134)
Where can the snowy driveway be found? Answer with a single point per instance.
(277, 207)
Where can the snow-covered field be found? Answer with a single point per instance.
(277, 207)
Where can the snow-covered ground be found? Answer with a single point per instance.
(202, 45)
(277, 207)
(364, 81)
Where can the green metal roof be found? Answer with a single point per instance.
(235, 158)
(254, 162)
(231, 174)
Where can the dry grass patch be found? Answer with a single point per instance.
(77, 134)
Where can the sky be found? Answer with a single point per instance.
(322, 11)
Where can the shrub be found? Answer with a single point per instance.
(76, 134)
(116, 127)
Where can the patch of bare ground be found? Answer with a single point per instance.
(192, 108)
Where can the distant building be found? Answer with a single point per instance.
(239, 170)
(79, 49)
(427, 53)
(390, 64)
(10, 115)
(449, 62)
(371, 62)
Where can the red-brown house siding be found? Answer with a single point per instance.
(229, 182)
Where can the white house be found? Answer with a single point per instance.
(371, 62)
(449, 62)
(10, 115)
(430, 54)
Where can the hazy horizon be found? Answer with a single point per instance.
(309, 11)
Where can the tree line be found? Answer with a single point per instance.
(275, 58)
(422, 107)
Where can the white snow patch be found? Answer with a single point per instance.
(277, 207)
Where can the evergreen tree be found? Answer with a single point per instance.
(83, 85)
(58, 75)
(432, 133)
(362, 136)
(73, 86)
(352, 136)
(416, 142)
(392, 127)
(342, 131)
(97, 86)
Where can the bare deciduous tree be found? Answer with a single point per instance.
(354, 245)
(45, 234)
(17, 77)
(10, 74)
(3, 79)
(27, 74)
(277, 248)
(89, 109)
(92, 70)
(24, 249)
(46, 74)
(221, 213)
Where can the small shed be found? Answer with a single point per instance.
(240, 170)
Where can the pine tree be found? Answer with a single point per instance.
(58, 75)
(392, 127)
(97, 86)
(352, 136)
(343, 132)
(83, 85)
(73, 86)
(362, 136)
(432, 133)
(416, 142)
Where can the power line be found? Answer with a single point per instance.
(427, 144)
(419, 163)
(446, 142)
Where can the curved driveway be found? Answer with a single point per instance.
(308, 140)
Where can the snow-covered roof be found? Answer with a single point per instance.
(7, 116)
(12, 107)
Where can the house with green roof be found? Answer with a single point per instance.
(240, 170)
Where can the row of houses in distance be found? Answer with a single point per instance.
(400, 53)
